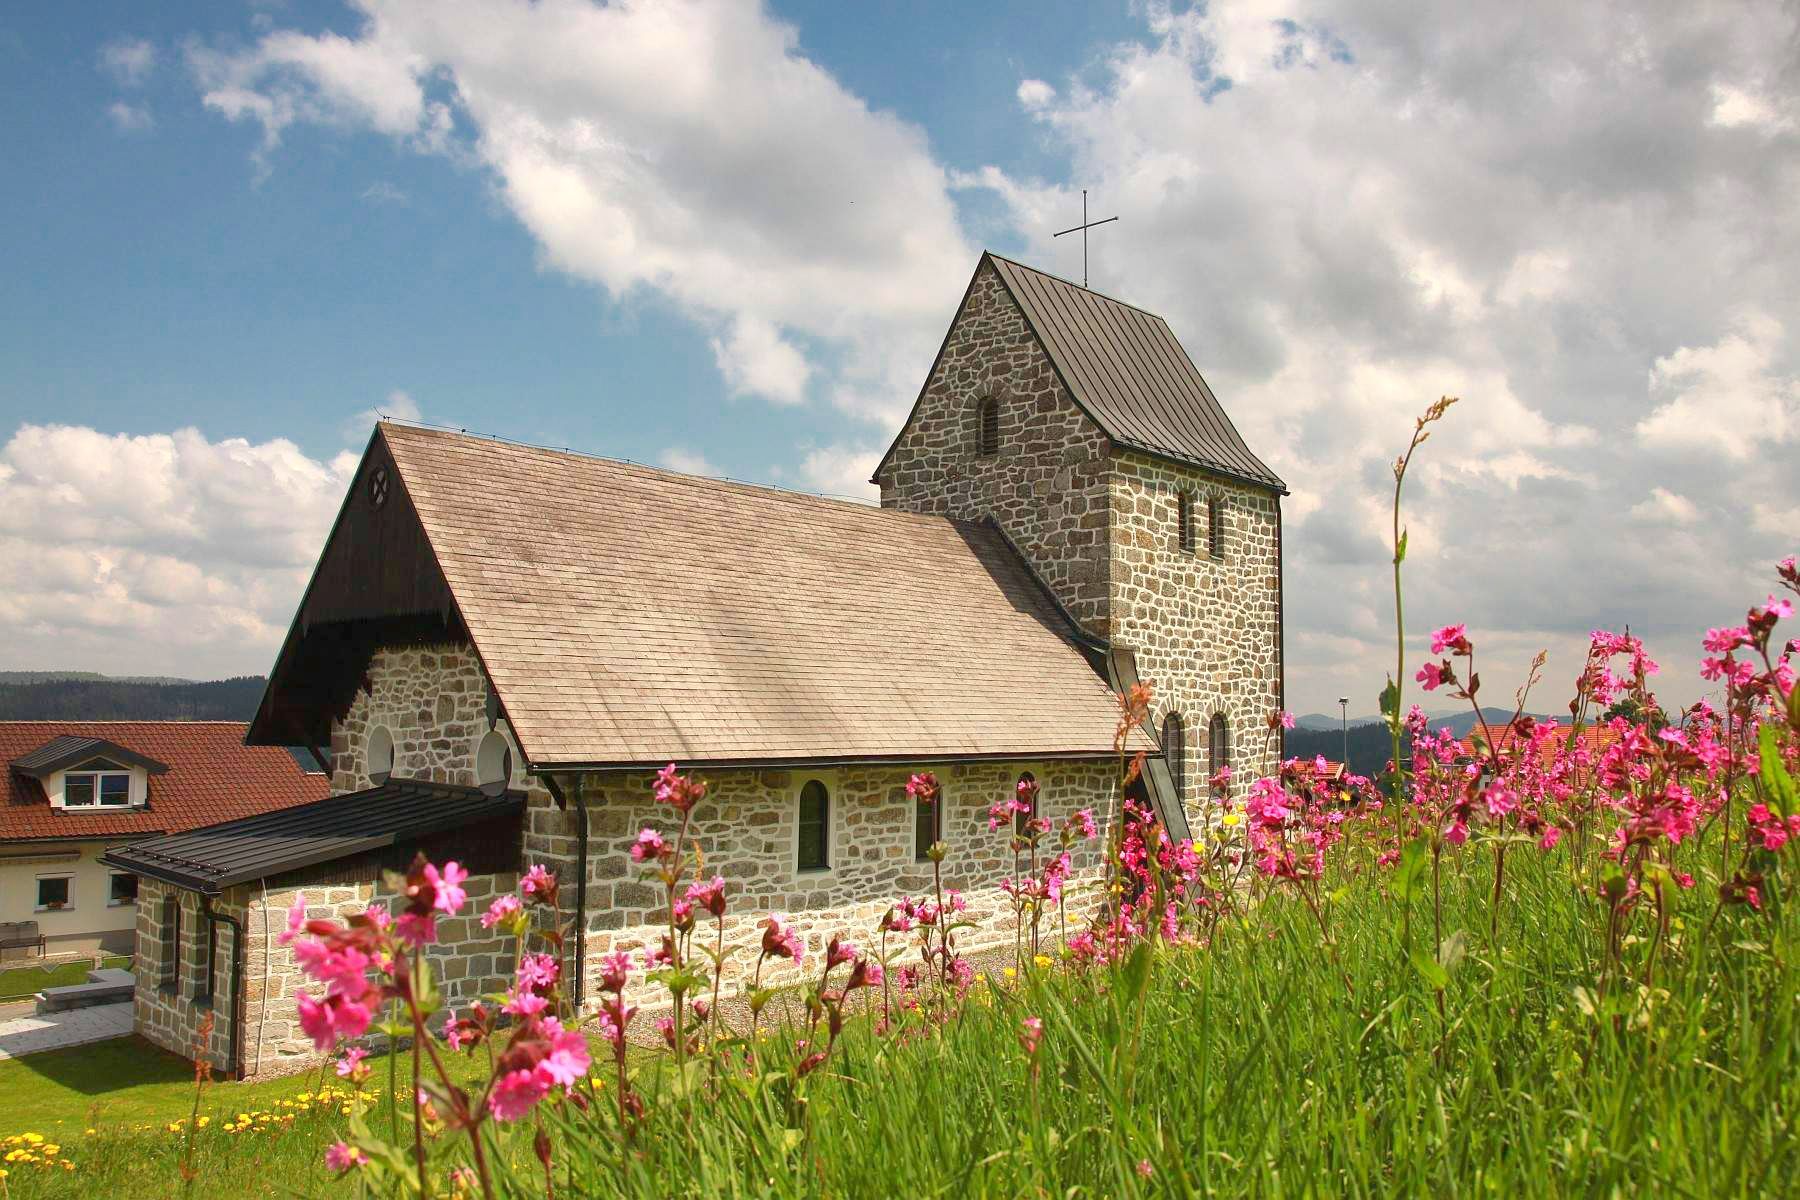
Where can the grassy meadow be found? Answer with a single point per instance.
(1248, 1066)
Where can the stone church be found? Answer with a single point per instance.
(501, 643)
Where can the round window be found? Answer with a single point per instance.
(493, 762)
(380, 756)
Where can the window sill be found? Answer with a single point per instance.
(121, 904)
(167, 991)
(45, 908)
(814, 872)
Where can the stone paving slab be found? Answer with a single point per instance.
(52, 1031)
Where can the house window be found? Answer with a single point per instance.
(815, 827)
(1218, 744)
(1022, 818)
(96, 789)
(987, 426)
(1174, 742)
(123, 889)
(53, 893)
(1184, 522)
(1215, 527)
(928, 826)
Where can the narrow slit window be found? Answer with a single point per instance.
(928, 826)
(1184, 522)
(1023, 817)
(987, 426)
(815, 827)
(1218, 748)
(1215, 527)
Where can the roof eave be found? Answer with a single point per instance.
(562, 766)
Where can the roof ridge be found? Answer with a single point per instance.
(773, 489)
(1099, 295)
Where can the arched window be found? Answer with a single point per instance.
(1215, 527)
(493, 763)
(1218, 743)
(1022, 817)
(814, 853)
(1184, 521)
(987, 426)
(1174, 744)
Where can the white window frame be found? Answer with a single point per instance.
(114, 903)
(833, 806)
(68, 877)
(98, 776)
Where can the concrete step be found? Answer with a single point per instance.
(83, 995)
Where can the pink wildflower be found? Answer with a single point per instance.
(340, 1157)
(568, 1059)
(1031, 1032)
(447, 881)
(350, 1066)
(537, 882)
(1430, 676)
(296, 919)
(649, 845)
(516, 1092)
(538, 972)
(502, 908)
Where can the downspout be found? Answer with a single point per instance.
(581, 874)
(1281, 636)
(235, 1060)
(262, 1019)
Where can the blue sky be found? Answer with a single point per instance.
(159, 280)
(726, 236)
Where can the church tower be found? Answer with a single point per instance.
(1079, 426)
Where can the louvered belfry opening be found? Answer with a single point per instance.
(1184, 521)
(987, 426)
(1215, 527)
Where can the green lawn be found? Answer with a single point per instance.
(21, 983)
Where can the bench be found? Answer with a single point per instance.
(107, 985)
(18, 935)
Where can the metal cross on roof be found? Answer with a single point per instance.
(1084, 227)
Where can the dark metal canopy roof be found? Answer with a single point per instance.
(211, 859)
(1125, 367)
(70, 750)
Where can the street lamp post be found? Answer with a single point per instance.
(1344, 721)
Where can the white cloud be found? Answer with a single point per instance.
(687, 460)
(128, 60)
(841, 471)
(1665, 507)
(399, 405)
(691, 150)
(162, 553)
(754, 359)
(1734, 107)
(383, 192)
(1346, 210)
(1725, 397)
(129, 118)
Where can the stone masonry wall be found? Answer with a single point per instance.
(1046, 487)
(1206, 632)
(747, 830)
(467, 963)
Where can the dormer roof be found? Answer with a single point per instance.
(73, 750)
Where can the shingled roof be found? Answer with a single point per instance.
(1126, 370)
(628, 616)
(209, 775)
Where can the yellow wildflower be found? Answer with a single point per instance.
(1232, 819)
(1009, 973)
(1043, 960)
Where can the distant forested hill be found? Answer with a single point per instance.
(80, 696)
(1370, 746)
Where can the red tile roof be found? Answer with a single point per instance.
(212, 777)
(1593, 738)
